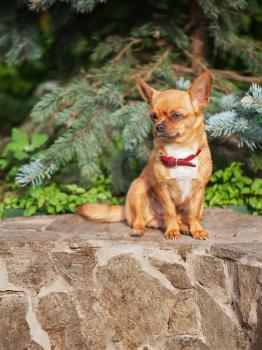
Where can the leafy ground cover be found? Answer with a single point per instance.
(228, 187)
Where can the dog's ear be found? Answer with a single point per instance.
(200, 91)
(145, 90)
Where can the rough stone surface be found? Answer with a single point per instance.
(176, 273)
(236, 251)
(258, 333)
(209, 272)
(124, 285)
(67, 283)
(14, 330)
(185, 343)
(220, 330)
(58, 316)
(245, 283)
(76, 266)
(183, 319)
(30, 269)
(93, 328)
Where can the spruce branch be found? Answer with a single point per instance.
(237, 4)
(243, 120)
(81, 6)
(253, 98)
(255, 161)
(125, 49)
(35, 173)
(210, 8)
(225, 124)
(218, 73)
(157, 64)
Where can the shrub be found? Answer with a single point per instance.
(229, 187)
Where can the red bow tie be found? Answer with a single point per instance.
(172, 162)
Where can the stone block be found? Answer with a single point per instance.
(137, 305)
(30, 268)
(175, 273)
(183, 319)
(245, 283)
(14, 330)
(209, 272)
(220, 330)
(185, 343)
(58, 316)
(76, 266)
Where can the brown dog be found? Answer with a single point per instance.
(169, 193)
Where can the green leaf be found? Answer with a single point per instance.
(20, 155)
(74, 189)
(256, 187)
(245, 190)
(50, 209)
(19, 137)
(30, 211)
(3, 163)
(38, 141)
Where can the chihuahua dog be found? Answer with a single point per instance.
(169, 193)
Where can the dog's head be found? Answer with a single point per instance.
(176, 113)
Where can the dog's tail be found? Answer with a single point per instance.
(102, 212)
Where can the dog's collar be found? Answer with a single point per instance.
(171, 162)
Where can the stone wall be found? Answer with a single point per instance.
(69, 284)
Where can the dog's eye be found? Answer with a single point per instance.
(153, 116)
(176, 116)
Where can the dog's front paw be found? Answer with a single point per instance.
(172, 234)
(137, 232)
(184, 228)
(200, 234)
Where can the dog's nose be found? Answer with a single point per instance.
(160, 127)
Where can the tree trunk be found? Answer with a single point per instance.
(199, 37)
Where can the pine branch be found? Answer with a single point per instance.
(138, 127)
(125, 49)
(244, 120)
(210, 8)
(230, 75)
(35, 173)
(255, 162)
(225, 124)
(157, 64)
(253, 98)
(81, 6)
(19, 46)
(237, 4)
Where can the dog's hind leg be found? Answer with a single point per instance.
(138, 211)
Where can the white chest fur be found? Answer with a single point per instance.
(183, 174)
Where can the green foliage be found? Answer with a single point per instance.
(92, 119)
(241, 118)
(255, 162)
(20, 147)
(97, 123)
(46, 199)
(20, 45)
(15, 96)
(54, 199)
(224, 21)
(79, 5)
(32, 36)
(229, 187)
